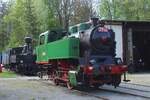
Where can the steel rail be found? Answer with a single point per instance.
(126, 93)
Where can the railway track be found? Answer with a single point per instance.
(126, 90)
(135, 84)
(140, 92)
(134, 89)
(137, 87)
(76, 91)
(121, 90)
(114, 91)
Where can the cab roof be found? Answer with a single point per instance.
(44, 33)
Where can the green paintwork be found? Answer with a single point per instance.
(59, 49)
(72, 78)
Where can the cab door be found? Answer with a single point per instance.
(42, 50)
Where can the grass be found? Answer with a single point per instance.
(7, 74)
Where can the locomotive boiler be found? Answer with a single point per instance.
(84, 56)
(94, 37)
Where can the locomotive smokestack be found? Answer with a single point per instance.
(95, 21)
(28, 46)
(28, 40)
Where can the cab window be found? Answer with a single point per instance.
(52, 36)
(42, 39)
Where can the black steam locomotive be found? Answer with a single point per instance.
(21, 59)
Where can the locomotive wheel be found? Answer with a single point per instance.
(69, 86)
(53, 75)
(56, 81)
(40, 75)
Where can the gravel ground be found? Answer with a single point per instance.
(31, 88)
(15, 89)
(141, 78)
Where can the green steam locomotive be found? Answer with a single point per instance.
(84, 56)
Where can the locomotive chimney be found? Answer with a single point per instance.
(28, 40)
(28, 46)
(95, 21)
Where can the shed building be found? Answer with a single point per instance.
(133, 42)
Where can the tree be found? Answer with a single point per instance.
(45, 15)
(15, 18)
(125, 9)
(62, 9)
(26, 18)
(82, 11)
(3, 27)
(23, 21)
(31, 23)
(70, 12)
(30, 18)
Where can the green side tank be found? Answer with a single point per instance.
(58, 49)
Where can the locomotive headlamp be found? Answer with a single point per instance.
(1, 65)
(90, 68)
